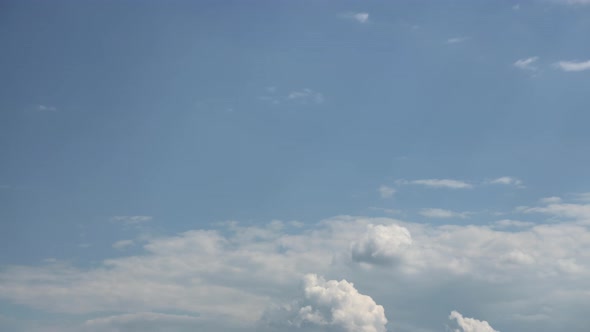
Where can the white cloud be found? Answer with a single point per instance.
(360, 17)
(306, 95)
(527, 63)
(579, 212)
(583, 197)
(505, 223)
(122, 244)
(131, 219)
(339, 304)
(442, 213)
(550, 200)
(456, 40)
(142, 321)
(573, 65)
(470, 324)
(46, 108)
(235, 274)
(386, 192)
(507, 180)
(381, 244)
(439, 183)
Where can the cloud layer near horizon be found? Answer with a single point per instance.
(235, 274)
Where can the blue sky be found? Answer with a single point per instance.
(411, 127)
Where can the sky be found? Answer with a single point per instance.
(340, 166)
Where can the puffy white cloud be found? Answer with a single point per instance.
(442, 213)
(526, 63)
(573, 65)
(339, 304)
(386, 192)
(233, 275)
(470, 324)
(439, 183)
(381, 244)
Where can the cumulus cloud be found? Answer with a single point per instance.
(442, 213)
(386, 192)
(234, 274)
(571, 66)
(526, 63)
(439, 183)
(470, 324)
(339, 304)
(381, 244)
(360, 17)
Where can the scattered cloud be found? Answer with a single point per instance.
(244, 272)
(516, 7)
(360, 17)
(306, 95)
(46, 108)
(470, 324)
(550, 200)
(122, 244)
(456, 40)
(505, 223)
(571, 211)
(442, 213)
(507, 180)
(583, 197)
(130, 220)
(527, 63)
(439, 183)
(573, 65)
(386, 192)
(381, 244)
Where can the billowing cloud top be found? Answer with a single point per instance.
(381, 244)
(339, 304)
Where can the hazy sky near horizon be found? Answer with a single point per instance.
(294, 166)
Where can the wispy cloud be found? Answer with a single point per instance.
(438, 183)
(526, 63)
(306, 95)
(442, 213)
(507, 180)
(456, 40)
(573, 65)
(386, 192)
(506, 223)
(361, 17)
(46, 108)
(122, 244)
(131, 219)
